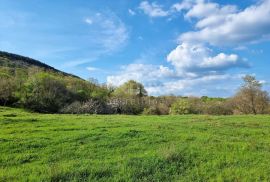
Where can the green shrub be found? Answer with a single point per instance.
(181, 106)
(45, 93)
(218, 108)
(159, 109)
(7, 90)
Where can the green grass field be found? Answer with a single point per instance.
(39, 147)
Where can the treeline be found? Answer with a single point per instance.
(47, 91)
(249, 99)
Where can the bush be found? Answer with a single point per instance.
(89, 107)
(126, 106)
(44, 93)
(160, 109)
(218, 108)
(73, 108)
(196, 105)
(181, 106)
(202, 106)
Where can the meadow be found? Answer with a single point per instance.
(54, 147)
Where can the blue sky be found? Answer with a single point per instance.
(181, 47)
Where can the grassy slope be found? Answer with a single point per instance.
(14, 61)
(130, 148)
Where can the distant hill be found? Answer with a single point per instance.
(18, 61)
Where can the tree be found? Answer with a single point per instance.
(251, 99)
(131, 88)
(128, 98)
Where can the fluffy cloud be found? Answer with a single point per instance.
(186, 4)
(226, 25)
(215, 21)
(202, 9)
(153, 9)
(149, 74)
(196, 59)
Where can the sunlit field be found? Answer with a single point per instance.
(39, 147)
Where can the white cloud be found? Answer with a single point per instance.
(88, 21)
(131, 12)
(160, 80)
(222, 61)
(215, 21)
(210, 84)
(92, 69)
(226, 25)
(196, 59)
(203, 9)
(140, 72)
(153, 9)
(193, 68)
(186, 4)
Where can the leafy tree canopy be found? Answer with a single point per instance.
(131, 88)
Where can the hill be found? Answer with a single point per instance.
(17, 61)
(31, 84)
